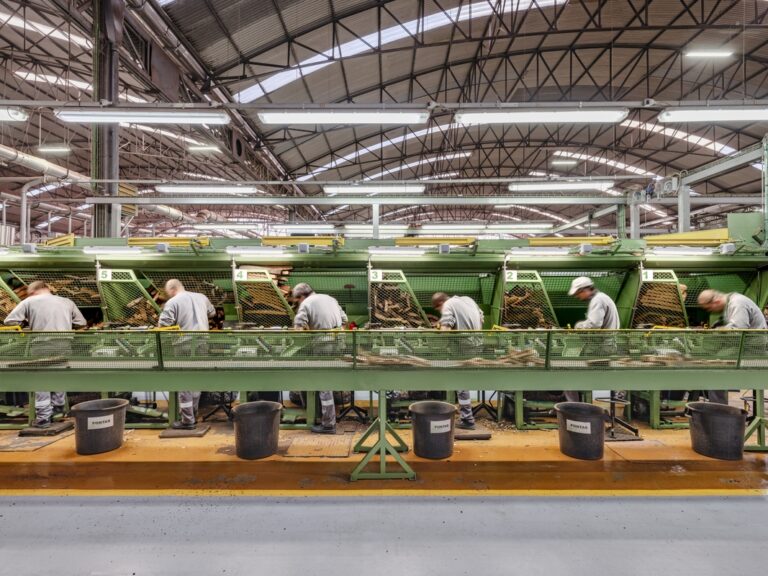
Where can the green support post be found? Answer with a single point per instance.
(383, 448)
(758, 425)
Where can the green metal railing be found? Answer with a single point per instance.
(538, 350)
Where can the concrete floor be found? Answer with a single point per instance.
(372, 536)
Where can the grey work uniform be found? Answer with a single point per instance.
(48, 313)
(463, 313)
(322, 312)
(190, 312)
(601, 315)
(740, 313)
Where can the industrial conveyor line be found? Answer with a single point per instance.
(382, 360)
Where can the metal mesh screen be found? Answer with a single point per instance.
(526, 304)
(79, 286)
(7, 300)
(216, 285)
(346, 287)
(125, 301)
(659, 301)
(259, 302)
(257, 350)
(392, 302)
(479, 287)
(647, 349)
(569, 309)
(396, 349)
(78, 350)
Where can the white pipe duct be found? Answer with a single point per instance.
(51, 170)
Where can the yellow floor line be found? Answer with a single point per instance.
(742, 492)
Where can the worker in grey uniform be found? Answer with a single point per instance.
(43, 311)
(601, 315)
(321, 312)
(190, 312)
(461, 313)
(738, 313)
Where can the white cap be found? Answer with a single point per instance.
(580, 283)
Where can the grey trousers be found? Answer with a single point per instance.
(44, 403)
(718, 396)
(465, 407)
(327, 409)
(188, 402)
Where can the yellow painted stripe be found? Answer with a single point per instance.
(756, 492)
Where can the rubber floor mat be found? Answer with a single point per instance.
(15, 443)
(320, 445)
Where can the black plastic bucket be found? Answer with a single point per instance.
(581, 428)
(99, 425)
(432, 426)
(257, 429)
(717, 430)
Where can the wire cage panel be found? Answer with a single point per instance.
(258, 300)
(568, 309)
(8, 300)
(526, 303)
(80, 286)
(392, 302)
(478, 286)
(124, 300)
(659, 301)
(348, 287)
(694, 283)
(216, 285)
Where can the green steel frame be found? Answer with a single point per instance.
(174, 361)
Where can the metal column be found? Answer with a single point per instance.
(621, 221)
(375, 212)
(107, 37)
(684, 208)
(634, 221)
(765, 190)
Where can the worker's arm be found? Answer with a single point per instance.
(482, 317)
(595, 316)
(78, 320)
(18, 315)
(209, 308)
(301, 320)
(447, 318)
(344, 319)
(169, 314)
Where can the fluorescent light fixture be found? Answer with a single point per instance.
(520, 226)
(12, 114)
(255, 251)
(112, 250)
(709, 53)
(564, 162)
(226, 226)
(141, 115)
(452, 228)
(561, 186)
(722, 114)
(362, 189)
(339, 116)
(54, 149)
(604, 161)
(206, 189)
(681, 251)
(396, 252)
(537, 252)
(204, 148)
(542, 116)
(306, 228)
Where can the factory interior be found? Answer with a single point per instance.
(363, 284)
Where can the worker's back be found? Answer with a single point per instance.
(742, 313)
(188, 311)
(320, 312)
(47, 312)
(461, 313)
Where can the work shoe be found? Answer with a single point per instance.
(58, 410)
(320, 429)
(42, 424)
(178, 425)
(465, 425)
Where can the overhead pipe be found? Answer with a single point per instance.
(54, 172)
